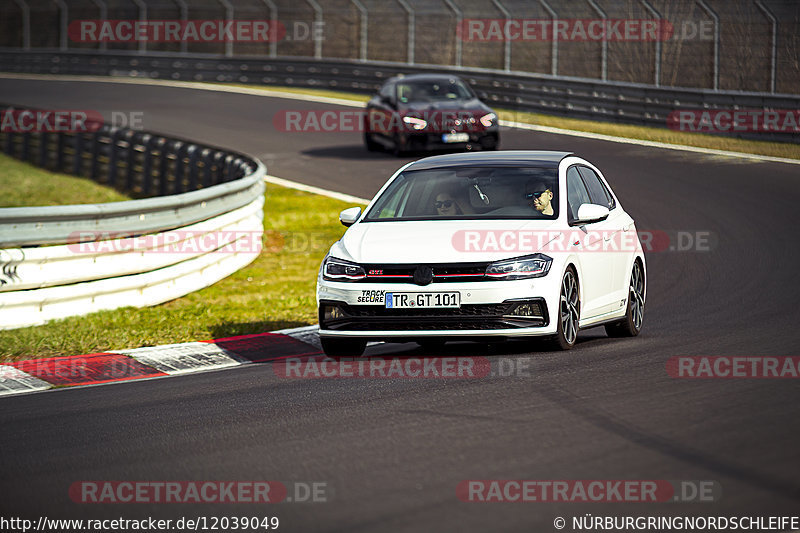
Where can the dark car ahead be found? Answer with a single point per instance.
(429, 112)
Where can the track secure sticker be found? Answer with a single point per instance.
(371, 297)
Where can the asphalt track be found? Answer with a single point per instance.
(392, 451)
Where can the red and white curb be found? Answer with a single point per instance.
(36, 375)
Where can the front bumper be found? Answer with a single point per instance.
(488, 309)
(486, 140)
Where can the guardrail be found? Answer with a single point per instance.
(141, 252)
(628, 103)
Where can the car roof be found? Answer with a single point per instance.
(424, 77)
(502, 158)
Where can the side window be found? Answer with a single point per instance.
(576, 192)
(387, 91)
(597, 190)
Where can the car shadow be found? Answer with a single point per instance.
(359, 152)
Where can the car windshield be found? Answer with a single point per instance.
(432, 90)
(469, 193)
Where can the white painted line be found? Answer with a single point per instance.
(354, 103)
(200, 86)
(316, 190)
(297, 331)
(307, 334)
(15, 381)
(310, 335)
(651, 144)
(185, 357)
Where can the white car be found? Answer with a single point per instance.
(479, 246)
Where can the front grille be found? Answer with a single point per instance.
(467, 317)
(442, 273)
(463, 311)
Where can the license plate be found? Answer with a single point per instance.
(413, 300)
(455, 137)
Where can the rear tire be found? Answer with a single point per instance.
(398, 149)
(569, 312)
(371, 145)
(343, 347)
(631, 325)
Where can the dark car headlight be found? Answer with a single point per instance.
(340, 270)
(529, 266)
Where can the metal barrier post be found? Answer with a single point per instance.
(554, 45)
(42, 162)
(459, 20)
(273, 20)
(507, 41)
(319, 23)
(229, 19)
(60, 154)
(714, 16)
(411, 30)
(603, 43)
(130, 159)
(163, 161)
(657, 61)
(103, 16)
(114, 135)
(77, 156)
(26, 23)
(207, 167)
(184, 9)
(26, 145)
(147, 163)
(95, 162)
(362, 54)
(773, 63)
(194, 153)
(142, 18)
(62, 23)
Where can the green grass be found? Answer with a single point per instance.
(664, 135)
(275, 291)
(24, 185)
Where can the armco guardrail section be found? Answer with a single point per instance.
(628, 103)
(207, 225)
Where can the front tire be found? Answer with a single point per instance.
(343, 347)
(371, 145)
(631, 325)
(569, 312)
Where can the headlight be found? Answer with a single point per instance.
(488, 119)
(416, 123)
(338, 270)
(530, 266)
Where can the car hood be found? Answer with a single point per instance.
(474, 105)
(440, 241)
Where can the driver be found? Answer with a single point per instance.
(539, 196)
(452, 202)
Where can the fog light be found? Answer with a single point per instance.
(332, 312)
(531, 310)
